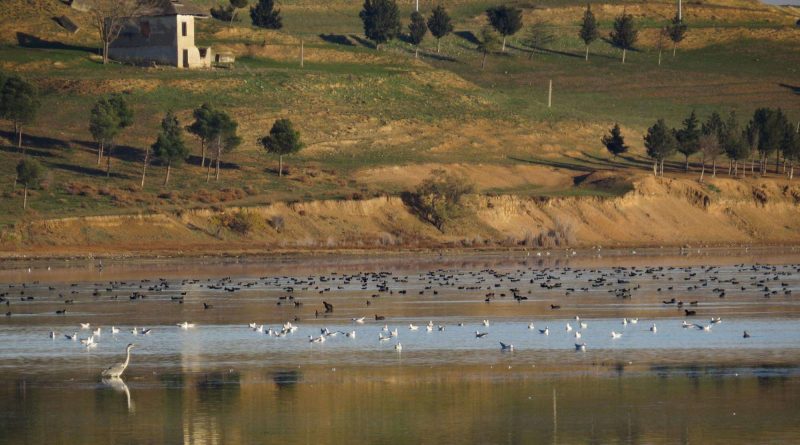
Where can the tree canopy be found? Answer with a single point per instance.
(282, 140)
(19, 103)
(440, 24)
(588, 32)
(264, 15)
(615, 142)
(688, 137)
(505, 20)
(538, 36)
(625, 33)
(660, 143)
(676, 30)
(170, 147)
(28, 173)
(109, 116)
(417, 30)
(381, 20)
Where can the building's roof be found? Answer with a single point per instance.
(179, 7)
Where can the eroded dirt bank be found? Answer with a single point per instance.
(657, 212)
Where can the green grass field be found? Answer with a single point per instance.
(360, 109)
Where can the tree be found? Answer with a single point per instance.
(19, 103)
(282, 140)
(236, 5)
(733, 143)
(440, 25)
(28, 172)
(417, 30)
(108, 118)
(439, 199)
(381, 20)
(625, 33)
(109, 17)
(660, 144)
(688, 137)
(589, 32)
(223, 137)
(676, 30)
(169, 147)
(711, 142)
(201, 128)
(487, 42)
(264, 15)
(765, 132)
(615, 142)
(790, 146)
(505, 20)
(538, 36)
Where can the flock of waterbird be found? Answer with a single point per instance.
(531, 285)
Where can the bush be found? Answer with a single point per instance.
(439, 199)
(222, 12)
(240, 222)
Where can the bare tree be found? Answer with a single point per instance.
(110, 16)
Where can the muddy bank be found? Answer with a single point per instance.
(657, 212)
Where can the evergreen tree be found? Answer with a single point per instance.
(381, 20)
(790, 146)
(660, 144)
(615, 142)
(487, 42)
(765, 133)
(589, 32)
(236, 5)
(417, 30)
(28, 173)
(282, 140)
(201, 127)
(676, 32)
(711, 142)
(625, 33)
(688, 137)
(505, 20)
(440, 25)
(264, 15)
(108, 118)
(19, 103)
(733, 142)
(169, 147)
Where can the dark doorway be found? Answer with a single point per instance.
(186, 58)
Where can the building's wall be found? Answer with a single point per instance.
(159, 40)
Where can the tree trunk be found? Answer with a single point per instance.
(108, 163)
(280, 166)
(587, 53)
(655, 168)
(19, 138)
(416, 52)
(105, 52)
(674, 48)
(144, 166)
(662, 168)
(791, 171)
(659, 56)
(219, 154)
(438, 45)
(714, 166)
(25, 198)
(687, 162)
(99, 152)
(208, 171)
(203, 153)
(702, 170)
(730, 166)
(504, 43)
(169, 167)
(735, 169)
(483, 62)
(777, 160)
(624, 53)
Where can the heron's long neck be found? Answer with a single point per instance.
(127, 357)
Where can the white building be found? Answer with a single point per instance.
(165, 37)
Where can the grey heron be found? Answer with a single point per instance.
(116, 370)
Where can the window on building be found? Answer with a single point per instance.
(184, 30)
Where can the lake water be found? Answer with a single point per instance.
(222, 382)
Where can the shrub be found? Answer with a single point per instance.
(277, 222)
(439, 199)
(241, 222)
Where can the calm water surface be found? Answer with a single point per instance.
(222, 382)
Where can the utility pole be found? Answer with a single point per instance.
(680, 10)
(302, 53)
(417, 5)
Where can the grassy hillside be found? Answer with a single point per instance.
(377, 122)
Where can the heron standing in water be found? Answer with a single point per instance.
(115, 371)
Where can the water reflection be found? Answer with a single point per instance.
(118, 385)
